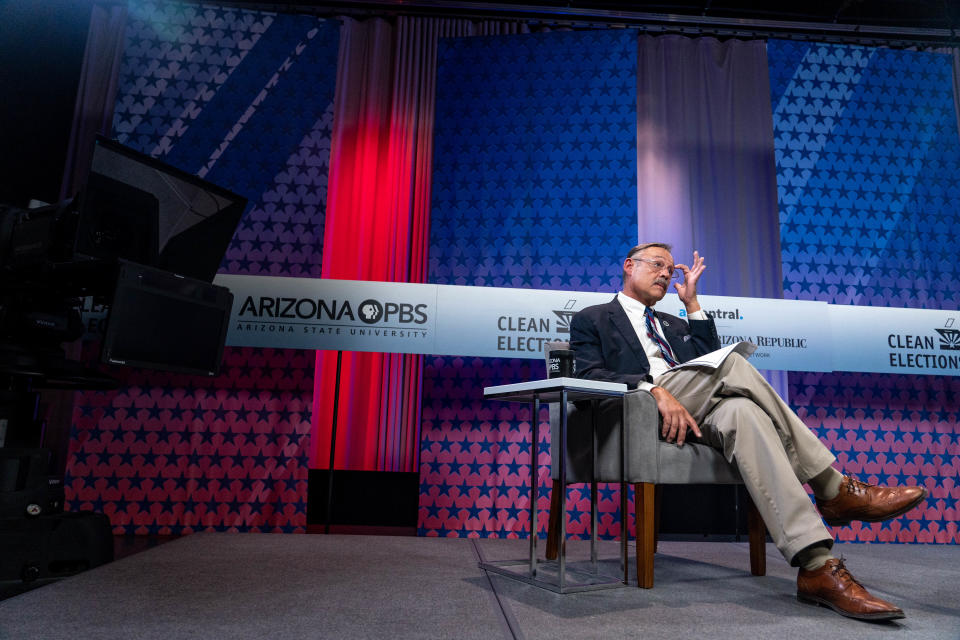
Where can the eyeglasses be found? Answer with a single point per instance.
(658, 266)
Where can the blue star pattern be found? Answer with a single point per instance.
(897, 430)
(176, 57)
(282, 235)
(867, 163)
(475, 458)
(534, 180)
(173, 454)
(534, 185)
(244, 99)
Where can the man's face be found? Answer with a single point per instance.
(644, 281)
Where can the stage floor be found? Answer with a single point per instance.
(314, 586)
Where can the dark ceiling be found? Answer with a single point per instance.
(902, 16)
(935, 14)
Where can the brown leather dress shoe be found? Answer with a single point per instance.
(832, 586)
(867, 503)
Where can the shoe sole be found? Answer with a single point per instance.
(843, 523)
(870, 617)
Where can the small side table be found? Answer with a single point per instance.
(562, 390)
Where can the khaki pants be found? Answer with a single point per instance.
(740, 414)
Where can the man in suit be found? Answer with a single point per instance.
(732, 408)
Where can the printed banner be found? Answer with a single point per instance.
(344, 315)
(505, 323)
(392, 317)
(515, 323)
(886, 340)
(791, 335)
(304, 313)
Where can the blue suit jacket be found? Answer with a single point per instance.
(607, 348)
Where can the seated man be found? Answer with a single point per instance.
(734, 409)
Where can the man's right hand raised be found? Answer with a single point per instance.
(676, 419)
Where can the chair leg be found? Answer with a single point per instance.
(553, 524)
(643, 496)
(657, 501)
(758, 540)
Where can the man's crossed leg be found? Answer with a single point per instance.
(740, 414)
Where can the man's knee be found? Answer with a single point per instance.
(738, 371)
(736, 361)
(733, 414)
(736, 406)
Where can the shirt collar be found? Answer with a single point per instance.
(629, 304)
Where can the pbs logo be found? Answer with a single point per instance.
(371, 311)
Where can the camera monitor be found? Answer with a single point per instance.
(161, 320)
(186, 223)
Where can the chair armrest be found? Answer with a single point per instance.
(643, 437)
(643, 419)
(650, 459)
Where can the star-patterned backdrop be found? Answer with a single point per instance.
(866, 152)
(243, 99)
(534, 181)
(867, 163)
(534, 185)
(173, 454)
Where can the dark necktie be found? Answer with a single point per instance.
(654, 335)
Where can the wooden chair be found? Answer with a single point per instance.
(651, 463)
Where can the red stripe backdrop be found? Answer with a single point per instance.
(378, 226)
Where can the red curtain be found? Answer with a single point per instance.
(378, 227)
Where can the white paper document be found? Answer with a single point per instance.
(715, 358)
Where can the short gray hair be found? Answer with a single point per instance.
(641, 247)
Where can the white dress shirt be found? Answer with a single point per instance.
(635, 312)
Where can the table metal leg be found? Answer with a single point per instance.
(530, 570)
(624, 515)
(593, 486)
(562, 555)
(534, 482)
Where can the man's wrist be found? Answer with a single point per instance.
(692, 306)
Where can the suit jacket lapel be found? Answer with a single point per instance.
(674, 336)
(666, 325)
(620, 320)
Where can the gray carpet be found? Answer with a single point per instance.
(314, 586)
(705, 590)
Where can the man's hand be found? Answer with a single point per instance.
(688, 290)
(676, 419)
